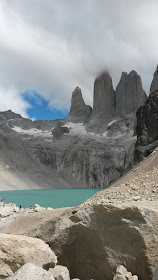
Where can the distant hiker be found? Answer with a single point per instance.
(4, 200)
(20, 206)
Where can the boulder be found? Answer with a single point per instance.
(59, 131)
(94, 239)
(97, 238)
(123, 274)
(17, 250)
(60, 272)
(38, 208)
(129, 94)
(31, 272)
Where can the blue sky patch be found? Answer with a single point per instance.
(39, 107)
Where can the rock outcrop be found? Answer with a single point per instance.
(103, 97)
(154, 84)
(147, 127)
(129, 94)
(7, 115)
(79, 111)
(59, 131)
(17, 250)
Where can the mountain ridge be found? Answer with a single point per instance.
(92, 147)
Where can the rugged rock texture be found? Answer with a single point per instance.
(79, 111)
(16, 250)
(123, 274)
(93, 239)
(59, 131)
(96, 239)
(60, 272)
(155, 277)
(103, 97)
(7, 115)
(129, 94)
(89, 162)
(147, 127)
(31, 272)
(154, 84)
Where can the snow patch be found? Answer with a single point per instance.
(76, 128)
(110, 123)
(33, 131)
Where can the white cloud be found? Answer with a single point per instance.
(53, 46)
(10, 99)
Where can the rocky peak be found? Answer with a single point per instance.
(104, 96)
(129, 93)
(79, 111)
(77, 99)
(154, 84)
(7, 115)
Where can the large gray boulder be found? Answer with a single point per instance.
(129, 94)
(94, 239)
(79, 111)
(154, 84)
(103, 97)
(17, 250)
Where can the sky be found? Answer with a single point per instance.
(48, 47)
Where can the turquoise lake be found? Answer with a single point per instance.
(56, 198)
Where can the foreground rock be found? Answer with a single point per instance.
(123, 274)
(60, 272)
(93, 239)
(16, 250)
(31, 272)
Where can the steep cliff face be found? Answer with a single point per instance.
(79, 111)
(91, 163)
(154, 84)
(129, 94)
(147, 127)
(103, 96)
(147, 123)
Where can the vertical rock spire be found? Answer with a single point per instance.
(79, 111)
(104, 96)
(129, 94)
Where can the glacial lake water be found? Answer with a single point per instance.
(55, 198)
